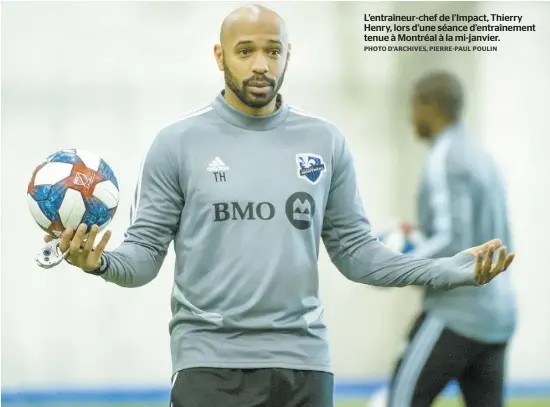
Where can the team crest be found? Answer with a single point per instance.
(310, 167)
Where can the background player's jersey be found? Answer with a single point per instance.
(461, 204)
(246, 200)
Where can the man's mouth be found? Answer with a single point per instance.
(259, 87)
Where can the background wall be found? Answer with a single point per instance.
(107, 76)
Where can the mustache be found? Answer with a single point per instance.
(256, 80)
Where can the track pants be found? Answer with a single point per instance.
(435, 356)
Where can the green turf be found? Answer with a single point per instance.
(511, 403)
(448, 403)
(441, 403)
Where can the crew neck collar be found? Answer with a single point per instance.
(249, 122)
(450, 131)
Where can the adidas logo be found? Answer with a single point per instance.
(217, 166)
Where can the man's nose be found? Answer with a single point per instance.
(260, 64)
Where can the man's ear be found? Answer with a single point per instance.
(218, 54)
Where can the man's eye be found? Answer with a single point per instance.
(244, 52)
(276, 52)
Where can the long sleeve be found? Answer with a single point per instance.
(362, 258)
(450, 202)
(156, 211)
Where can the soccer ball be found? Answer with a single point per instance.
(72, 187)
(403, 238)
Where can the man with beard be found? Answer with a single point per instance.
(247, 187)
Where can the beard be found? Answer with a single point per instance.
(252, 99)
(423, 131)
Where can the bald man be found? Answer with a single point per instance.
(246, 187)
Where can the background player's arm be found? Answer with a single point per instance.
(451, 204)
(156, 214)
(362, 258)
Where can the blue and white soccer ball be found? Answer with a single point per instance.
(403, 238)
(72, 187)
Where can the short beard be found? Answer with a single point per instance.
(424, 131)
(241, 93)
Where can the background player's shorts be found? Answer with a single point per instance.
(215, 387)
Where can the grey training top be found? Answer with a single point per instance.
(246, 200)
(462, 203)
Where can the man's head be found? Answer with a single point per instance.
(437, 102)
(253, 54)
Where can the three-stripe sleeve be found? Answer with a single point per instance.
(155, 214)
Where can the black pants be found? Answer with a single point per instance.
(213, 387)
(436, 356)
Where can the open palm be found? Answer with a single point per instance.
(485, 269)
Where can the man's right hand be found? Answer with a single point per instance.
(82, 252)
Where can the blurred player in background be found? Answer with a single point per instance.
(247, 187)
(461, 334)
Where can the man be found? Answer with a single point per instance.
(246, 188)
(461, 334)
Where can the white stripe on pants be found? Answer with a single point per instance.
(413, 361)
(172, 387)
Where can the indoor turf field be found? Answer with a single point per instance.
(441, 403)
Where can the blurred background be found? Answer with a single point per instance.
(107, 76)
